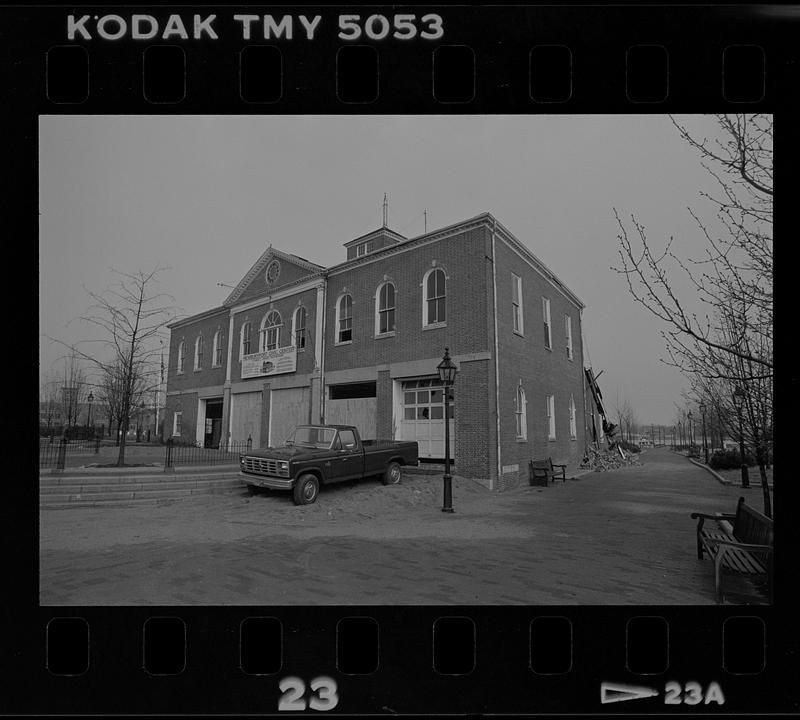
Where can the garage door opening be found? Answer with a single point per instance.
(423, 417)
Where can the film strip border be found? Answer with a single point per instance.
(459, 59)
(407, 660)
(412, 660)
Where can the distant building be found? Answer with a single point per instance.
(359, 343)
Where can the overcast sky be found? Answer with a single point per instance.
(205, 195)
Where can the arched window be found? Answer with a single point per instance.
(198, 353)
(244, 346)
(344, 319)
(217, 349)
(181, 356)
(434, 291)
(271, 331)
(385, 309)
(520, 412)
(299, 328)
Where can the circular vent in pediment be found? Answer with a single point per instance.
(273, 271)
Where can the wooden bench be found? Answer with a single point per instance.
(542, 472)
(739, 542)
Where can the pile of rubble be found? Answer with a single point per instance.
(600, 460)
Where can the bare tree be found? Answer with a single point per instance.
(50, 402)
(626, 417)
(736, 267)
(132, 319)
(731, 346)
(72, 389)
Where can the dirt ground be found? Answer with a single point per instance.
(618, 537)
(364, 508)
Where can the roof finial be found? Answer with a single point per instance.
(385, 210)
(425, 213)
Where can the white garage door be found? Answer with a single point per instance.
(288, 409)
(360, 412)
(423, 417)
(246, 418)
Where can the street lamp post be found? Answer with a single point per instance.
(90, 400)
(705, 444)
(738, 401)
(447, 374)
(691, 432)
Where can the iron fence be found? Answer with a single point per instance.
(54, 451)
(194, 455)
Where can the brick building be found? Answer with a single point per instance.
(359, 343)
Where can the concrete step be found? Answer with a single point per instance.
(79, 495)
(47, 481)
(188, 483)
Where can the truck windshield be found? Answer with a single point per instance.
(313, 437)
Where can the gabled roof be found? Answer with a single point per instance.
(260, 266)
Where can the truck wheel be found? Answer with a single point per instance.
(306, 489)
(393, 474)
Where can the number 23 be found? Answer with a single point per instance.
(323, 695)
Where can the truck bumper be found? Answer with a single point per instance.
(267, 481)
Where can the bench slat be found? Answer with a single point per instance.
(746, 527)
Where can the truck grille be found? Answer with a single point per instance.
(264, 466)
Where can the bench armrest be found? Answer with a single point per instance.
(745, 546)
(715, 516)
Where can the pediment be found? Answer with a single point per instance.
(273, 270)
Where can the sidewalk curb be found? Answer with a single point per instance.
(715, 474)
(722, 479)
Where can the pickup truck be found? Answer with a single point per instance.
(316, 455)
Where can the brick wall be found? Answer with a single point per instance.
(542, 372)
(463, 259)
(286, 307)
(185, 403)
(384, 406)
(476, 439)
(208, 375)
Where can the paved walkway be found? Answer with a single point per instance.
(620, 537)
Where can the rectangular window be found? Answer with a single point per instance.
(573, 431)
(353, 390)
(364, 248)
(520, 414)
(548, 340)
(176, 423)
(551, 417)
(516, 302)
(568, 331)
(245, 339)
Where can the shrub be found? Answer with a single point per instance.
(729, 460)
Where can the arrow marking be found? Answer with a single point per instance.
(616, 692)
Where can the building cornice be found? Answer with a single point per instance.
(199, 316)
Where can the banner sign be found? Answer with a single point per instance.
(270, 362)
